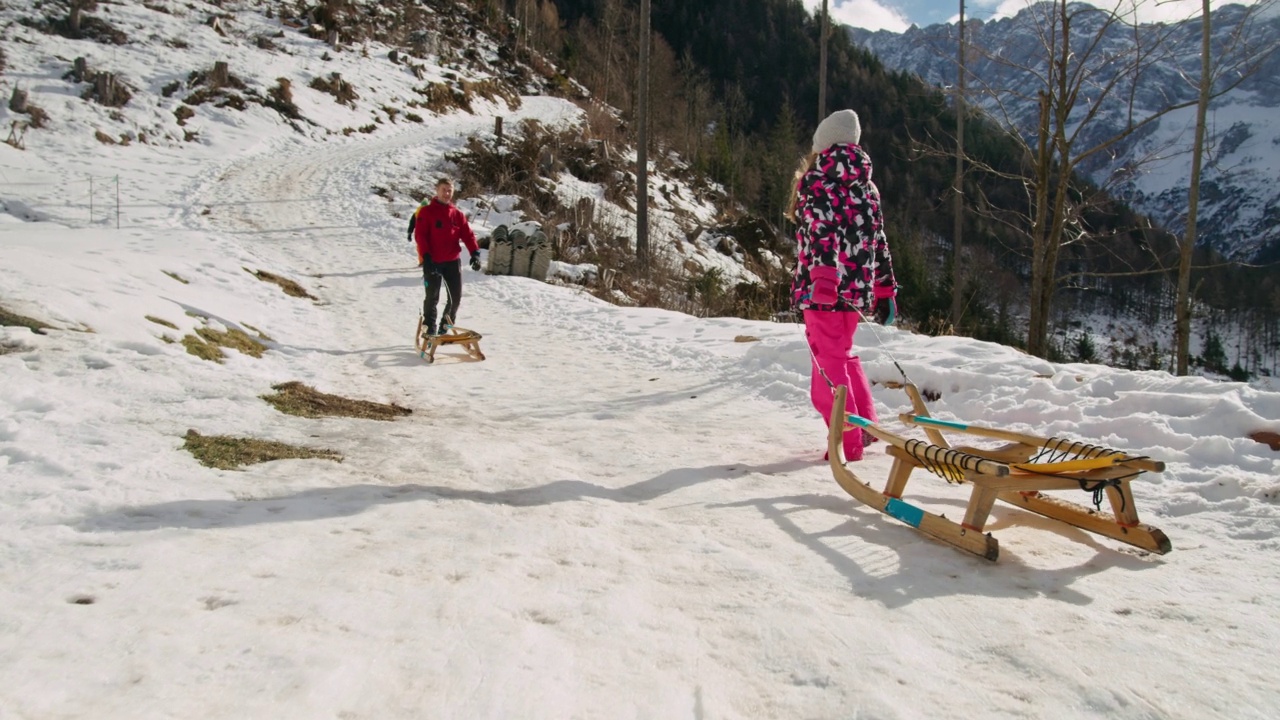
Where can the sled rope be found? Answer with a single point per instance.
(906, 380)
(1058, 449)
(945, 463)
(823, 373)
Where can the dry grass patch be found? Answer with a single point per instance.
(235, 338)
(294, 398)
(202, 349)
(8, 347)
(13, 319)
(290, 287)
(207, 342)
(230, 453)
(177, 277)
(161, 321)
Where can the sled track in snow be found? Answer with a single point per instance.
(314, 209)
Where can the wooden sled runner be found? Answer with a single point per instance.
(1018, 473)
(469, 340)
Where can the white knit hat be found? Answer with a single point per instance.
(841, 126)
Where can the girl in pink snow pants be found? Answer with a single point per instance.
(843, 265)
(830, 336)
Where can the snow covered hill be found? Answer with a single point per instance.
(1240, 202)
(198, 75)
(622, 512)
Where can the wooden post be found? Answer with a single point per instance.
(104, 88)
(497, 127)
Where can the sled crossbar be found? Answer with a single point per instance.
(1019, 474)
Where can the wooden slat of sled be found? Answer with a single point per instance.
(936, 526)
(931, 429)
(1137, 534)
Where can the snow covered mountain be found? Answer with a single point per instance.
(1240, 199)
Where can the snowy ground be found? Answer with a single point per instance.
(621, 513)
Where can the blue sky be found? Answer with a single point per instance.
(898, 15)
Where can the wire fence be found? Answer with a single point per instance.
(101, 194)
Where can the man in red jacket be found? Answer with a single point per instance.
(440, 230)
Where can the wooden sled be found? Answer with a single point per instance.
(469, 340)
(1018, 473)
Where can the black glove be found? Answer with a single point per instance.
(886, 311)
(475, 261)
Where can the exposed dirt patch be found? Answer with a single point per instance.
(290, 287)
(1267, 437)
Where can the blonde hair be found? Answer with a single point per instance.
(806, 165)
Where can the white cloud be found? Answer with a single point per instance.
(867, 14)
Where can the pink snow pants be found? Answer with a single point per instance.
(830, 336)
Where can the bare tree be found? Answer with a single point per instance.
(1236, 46)
(957, 272)
(1089, 106)
(822, 63)
(609, 18)
(1182, 330)
(642, 144)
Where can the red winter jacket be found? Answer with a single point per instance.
(440, 230)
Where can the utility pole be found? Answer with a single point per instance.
(822, 65)
(642, 145)
(957, 275)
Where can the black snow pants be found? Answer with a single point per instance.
(434, 275)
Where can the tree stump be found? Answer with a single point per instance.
(585, 211)
(80, 69)
(18, 101)
(221, 74)
(108, 91)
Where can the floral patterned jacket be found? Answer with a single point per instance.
(843, 260)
